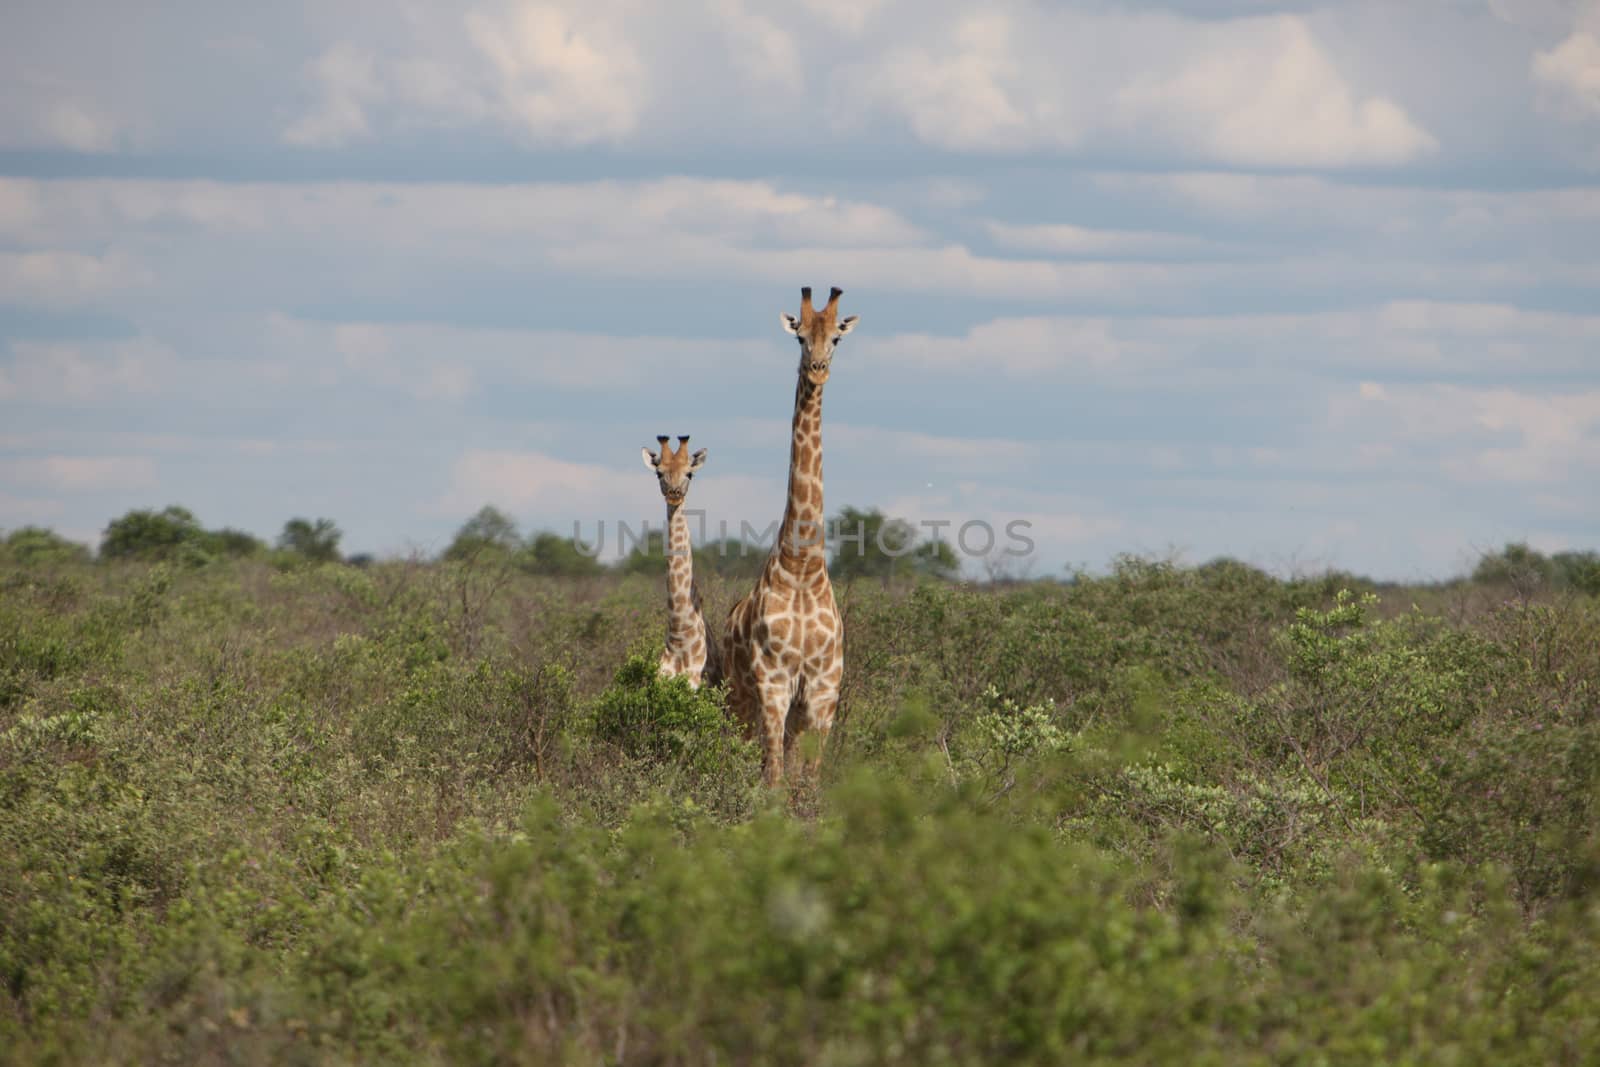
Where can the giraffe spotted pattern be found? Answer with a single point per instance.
(783, 647)
(689, 650)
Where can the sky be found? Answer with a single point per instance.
(1308, 285)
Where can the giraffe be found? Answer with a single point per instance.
(783, 647)
(689, 650)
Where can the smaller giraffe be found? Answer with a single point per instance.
(689, 649)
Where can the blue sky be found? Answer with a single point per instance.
(1306, 284)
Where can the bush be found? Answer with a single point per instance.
(315, 541)
(652, 717)
(35, 546)
(416, 813)
(490, 532)
(153, 535)
(558, 557)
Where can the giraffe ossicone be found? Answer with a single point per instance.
(690, 650)
(783, 646)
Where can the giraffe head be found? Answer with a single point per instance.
(818, 333)
(674, 469)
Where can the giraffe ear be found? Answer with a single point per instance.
(649, 460)
(699, 460)
(791, 325)
(847, 324)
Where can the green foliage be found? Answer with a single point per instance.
(489, 532)
(872, 545)
(173, 533)
(232, 544)
(1579, 571)
(555, 556)
(35, 546)
(449, 812)
(648, 556)
(652, 717)
(317, 541)
(1525, 570)
(731, 558)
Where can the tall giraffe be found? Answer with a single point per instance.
(783, 648)
(690, 650)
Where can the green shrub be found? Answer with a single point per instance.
(35, 546)
(652, 717)
(153, 535)
(416, 813)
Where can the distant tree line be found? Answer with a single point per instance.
(875, 547)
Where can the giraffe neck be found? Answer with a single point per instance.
(680, 577)
(800, 537)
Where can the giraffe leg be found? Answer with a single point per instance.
(776, 689)
(820, 706)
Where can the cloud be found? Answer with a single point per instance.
(446, 362)
(563, 75)
(961, 96)
(236, 246)
(1026, 347)
(348, 82)
(881, 446)
(1273, 100)
(1410, 338)
(67, 372)
(82, 473)
(1248, 91)
(71, 125)
(846, 16)
(1529, 228)
(1570, 75)
(1065, 239)
(61, 279)
(762, 50)
(546, 73)
(1477, 435)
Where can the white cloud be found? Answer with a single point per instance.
(847, 16)
(1475, 435)
(63, 279)
(1262, 93)
(82, 473)
(1570, 74)
(1029, 347)
(348, 83)
(1065, 239)
(878, 445)
(761, 49)
(445, 362)
(964, 95)
(1529, 226)
(71, 125)
(563, 75)
(1410, 337)
(550, 73)
(61, 373)
(1252, 91)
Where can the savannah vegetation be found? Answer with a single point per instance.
(262, 804)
